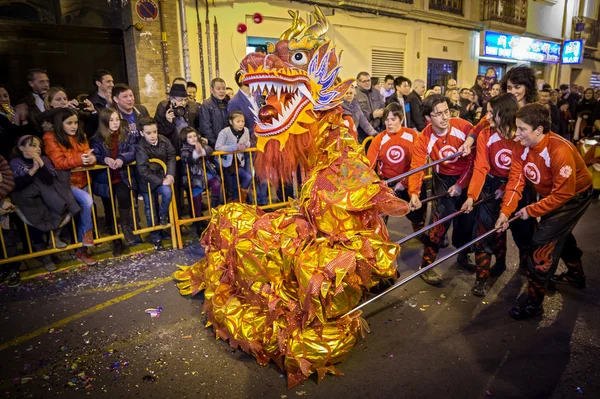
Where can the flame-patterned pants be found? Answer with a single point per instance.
(486, 215)
(416, 217)
(553, 240)
(462, 224)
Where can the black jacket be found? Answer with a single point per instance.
(213, 119)
(555, 116)
(415, 111)
(98, 101)
(153, 173)
(468, 115)
(169, 129)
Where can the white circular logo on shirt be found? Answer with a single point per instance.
(566, 171)
(532, 172)
(395, 154)
(446, 151)
(504, 158)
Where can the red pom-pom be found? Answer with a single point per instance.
(257, 18)
(242, 28)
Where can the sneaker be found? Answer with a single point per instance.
(164, 220)
(431, 277)
(83, 256)
(158, 246)
(480, 288)
(568, 278)
(498, 268)
(526, 310)
(464, 260)
(130, 238)
(58, 242)
(49, 264)
(14, 279)
(88, 239)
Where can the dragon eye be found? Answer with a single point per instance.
(300, 58)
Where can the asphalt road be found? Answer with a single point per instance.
(84, 332)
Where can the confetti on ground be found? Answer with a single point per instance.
(301, 393)
(442, 296)
(154, 312)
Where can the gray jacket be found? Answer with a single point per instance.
(369, 101)
(360, 120)
(227, 142)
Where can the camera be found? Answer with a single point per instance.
(177, 110)
(81, 106)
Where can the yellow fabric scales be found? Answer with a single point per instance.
(276, 284)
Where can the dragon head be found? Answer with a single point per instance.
(297, 77)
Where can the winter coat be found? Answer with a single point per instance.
(126, 154)
(407, 109)
(370, 100)
(416, 117)
(67, 158)
(153, 173)
(240, 102)
(227, 142)
(195, 162)
(169, 129)
(134, 136)
(43, 199)
(359, 119)
(213, 119)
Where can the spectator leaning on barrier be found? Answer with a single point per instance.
(153, 145)
(235, 138)
(124, 102)
(8, 271)
(67, 148)
(112, 150)
(213, 112)
(42, 195)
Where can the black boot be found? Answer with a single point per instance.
(576, 280)
(126, 225)
(117, 246)
(526, 310)
(215, 201)
(480, 288)
(431, 277)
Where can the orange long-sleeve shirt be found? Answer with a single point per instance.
(67, 158)
(484, 123)
(493, 156)
(556, 170)
(393, 152)
(440, 146)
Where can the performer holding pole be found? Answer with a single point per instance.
(564, 183)
(391, 150)
(495, 149)
(442, 137)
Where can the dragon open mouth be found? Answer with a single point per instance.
(286, 97)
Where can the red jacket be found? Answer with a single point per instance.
(493, 156)
(438, 147)
(393, 152)
(556, 170)
(67, 159)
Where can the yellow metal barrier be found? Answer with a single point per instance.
(53, 249)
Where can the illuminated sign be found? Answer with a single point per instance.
(572, 52)
(520, 48)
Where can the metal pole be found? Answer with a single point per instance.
(423, 270)
(184, 41)
(442, 220)
(426, 200)
(208, 50)
(216, 37)
(164, 44)
(421, 168)
(200, 51)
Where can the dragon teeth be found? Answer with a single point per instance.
(306, 93)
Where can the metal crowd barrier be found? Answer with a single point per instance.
(52, 249)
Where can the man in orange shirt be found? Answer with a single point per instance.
(391, 150)
(564, 184)
(442, 137)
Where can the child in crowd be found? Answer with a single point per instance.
(8, 271)
(68, 148)
(235, 137)
(42, 196)
(153, 145)
(112, 149)
(193, 150)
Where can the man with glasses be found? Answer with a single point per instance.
(442, 137)
(371, 103)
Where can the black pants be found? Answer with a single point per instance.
(462, 224)
(553, 240)
(486, 214)
(416, 217)
(122, 194)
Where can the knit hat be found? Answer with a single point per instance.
(178, 90)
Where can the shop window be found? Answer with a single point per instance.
(387, 62)
(451, 6)
(595, 80)
(440, 71)
(255, 42)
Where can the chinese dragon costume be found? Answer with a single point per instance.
(278, 284)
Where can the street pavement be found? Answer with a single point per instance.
(85, 332)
